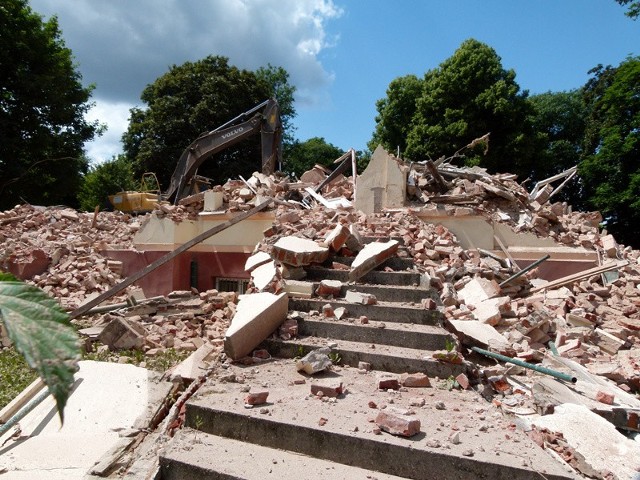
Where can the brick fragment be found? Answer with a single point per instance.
(328, 388)
(256, 398)
(397, 424)
(415, 380)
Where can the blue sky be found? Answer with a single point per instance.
(341, 55)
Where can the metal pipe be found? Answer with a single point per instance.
(537, 368)
(24, 411)
(525, 270)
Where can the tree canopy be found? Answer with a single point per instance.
(302, 156)
(467, 96)
(610, 167)
(197, 97)
(102, 180)
(42, 107)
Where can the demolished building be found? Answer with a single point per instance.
(403, 270)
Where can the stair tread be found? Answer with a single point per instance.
(291, 420)
(202, 453)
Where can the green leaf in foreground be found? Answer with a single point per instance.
(40, 330)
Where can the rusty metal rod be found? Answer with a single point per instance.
(537, 368)
(525, 270)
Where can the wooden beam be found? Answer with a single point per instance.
(169, 256)
(580, 275)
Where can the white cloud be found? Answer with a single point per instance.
(115, 115)
(121, 45)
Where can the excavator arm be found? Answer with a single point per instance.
(267, 122)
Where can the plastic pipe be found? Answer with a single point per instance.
(537, 368)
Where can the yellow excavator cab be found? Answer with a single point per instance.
(141, 201)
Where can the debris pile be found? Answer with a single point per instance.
(58, 249)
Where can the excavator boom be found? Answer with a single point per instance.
(267, 122)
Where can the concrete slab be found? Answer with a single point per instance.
(255, 260)
(297, 251)
(263, 275)
(109, 398)
(372, 255)
(602, 446)
(256, 317)
(478, 333)
(342, 429)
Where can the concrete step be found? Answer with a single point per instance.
(197, 455)
(426, 337)
(341, 430)
(382, 311)
(388, 293)
(395, 263)
(375, 277)
(388, 358)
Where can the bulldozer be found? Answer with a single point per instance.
(263, 118)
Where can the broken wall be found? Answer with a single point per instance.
(382, 184)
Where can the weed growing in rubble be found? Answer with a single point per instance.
(449, 384)
(335, 358)
(15, 375)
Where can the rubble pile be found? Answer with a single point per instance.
(58, 249)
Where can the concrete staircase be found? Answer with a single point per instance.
(399, 336)
(298, 436)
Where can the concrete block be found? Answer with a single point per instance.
(256, 317)
(123, 334)
(362, 298)
(297, 251)
(194, 365)
(395, 423)
(213, 200)
(372, 255)
(480, 333)
(337, 237)
(610, 246)
(263, 275)
(478, 290)
(354, 241)
(255, 260)
(490, 311)
(315, 361)
(296, 288)
(607, 342)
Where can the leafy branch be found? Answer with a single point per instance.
(40, 330)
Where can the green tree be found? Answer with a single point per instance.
(193, 98)
(559, 121)
(468, 95)
(277, 80)
(610, 168)
(633, 10)
(395, 112)
(115, 175)
(302, 156)
(42, 108)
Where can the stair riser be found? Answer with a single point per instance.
(361, 452)
(374, 277)
(381, 336)
(378, 360)
(382, 313)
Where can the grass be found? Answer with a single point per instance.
(160, 362)
(15, 375)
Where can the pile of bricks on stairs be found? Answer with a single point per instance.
(58, 249)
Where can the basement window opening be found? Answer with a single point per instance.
(239, 285)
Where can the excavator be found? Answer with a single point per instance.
(263, 118)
